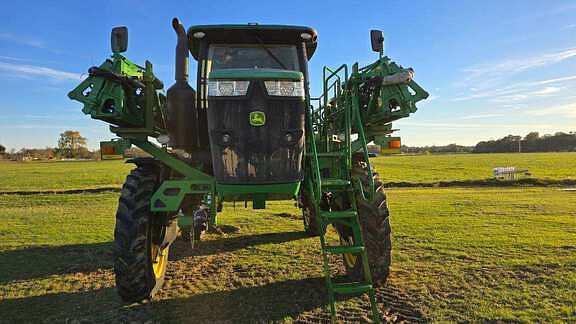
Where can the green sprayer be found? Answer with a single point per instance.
(250, 132)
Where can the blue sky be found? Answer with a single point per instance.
(492, 67)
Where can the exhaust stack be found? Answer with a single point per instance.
(182, 113)
(181, 71)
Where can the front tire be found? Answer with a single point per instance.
(376, 230)
(309, 215)
(139, 259)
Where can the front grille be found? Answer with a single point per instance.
(242, 153)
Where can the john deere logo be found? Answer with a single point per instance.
(257, 118)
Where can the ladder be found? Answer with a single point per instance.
(350, 219)
(335, 155)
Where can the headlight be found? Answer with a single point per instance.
(285, 88)
(221, 88)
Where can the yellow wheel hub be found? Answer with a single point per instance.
(349, 258)
(159, 259)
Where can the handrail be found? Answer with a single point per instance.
(333, 73)
(361, 135)
(315, 162)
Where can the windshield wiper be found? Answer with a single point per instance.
(272, 55)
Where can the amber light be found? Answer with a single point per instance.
(394, 144)
(108, 150)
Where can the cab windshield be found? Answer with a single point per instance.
(281, 57)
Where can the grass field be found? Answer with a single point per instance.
(460, 254)
(61, 175)
(415, 169)
(434, 168)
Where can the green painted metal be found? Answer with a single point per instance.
(171, 161)
(171, 193)
(252, 26)
(259, 201)
(234, 34)
(255, 74)
(185, 221)
(169, 197)
(113, 149)
(273, 191)
(116, 92)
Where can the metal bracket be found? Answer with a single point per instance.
(171, 193)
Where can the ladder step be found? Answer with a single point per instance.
(338, 214)
(334, 183)
(331, 154)
(353, 249)
(351, 288)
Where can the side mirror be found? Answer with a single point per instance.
(377, 40)
(119, 39)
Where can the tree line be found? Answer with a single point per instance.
(532, 142)
(71, 145)
(434, 149)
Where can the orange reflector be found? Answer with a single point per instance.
(394, 144)
(108, 149)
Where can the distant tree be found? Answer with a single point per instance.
(71, 144)
(2, 149)
(451, 148)
(532, 142)
(532, 136)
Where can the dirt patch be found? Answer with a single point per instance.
(393, 305)
(288, 215)
(62, 192)
(485, 183)
(530, 182)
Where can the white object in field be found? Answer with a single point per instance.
(508, 173)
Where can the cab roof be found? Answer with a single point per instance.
(249, 34)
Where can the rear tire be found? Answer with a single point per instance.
(376, 230)
(139, 261)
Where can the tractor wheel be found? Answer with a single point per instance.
(309, 216)
(376, 231)
(139, 259)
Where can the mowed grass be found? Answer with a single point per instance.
(435, 168)
(487, 254)
(459, 255)
(61, 175)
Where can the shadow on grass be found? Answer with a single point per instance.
(267, 303)
(43, 261)
(58, 307)
(181, 248)
(272, 302)
(264, 304)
